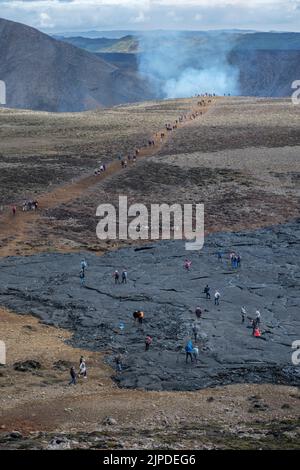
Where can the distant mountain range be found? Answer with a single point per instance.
(239, 41)
(97, 34)
(43, 73)
(117, 34)
(81, 73)
(126, 44)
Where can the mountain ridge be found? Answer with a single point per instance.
(46, 74)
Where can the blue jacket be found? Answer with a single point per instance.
(189, 346)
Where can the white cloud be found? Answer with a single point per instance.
(45, 21)
(140, 18)
(63, 15)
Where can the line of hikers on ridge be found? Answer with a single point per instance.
(33, 204)
(160, 135)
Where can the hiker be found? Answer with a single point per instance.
(238, 261)
(234, 261)
(138, 315)
(219, 254)
(255, 322)
(195, 331)
(243, 313)
(196, 353)
(253, 325)
(116, 276)
(189, 351)
(82, 369)
(82, 277)
(257, 332)
(217, 298)
(141, 317)
(148, 342)
(83, 265)
(73, 376)
(198, 312)
(118, 361)
(187, 265)
(124, 277)
(207, 292)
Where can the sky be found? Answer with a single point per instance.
(53, 16)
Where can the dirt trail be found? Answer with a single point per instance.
(15, 230)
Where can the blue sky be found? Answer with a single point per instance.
(83, 15)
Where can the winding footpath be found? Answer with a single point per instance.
(15, 230)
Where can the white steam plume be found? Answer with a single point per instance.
(184, 64)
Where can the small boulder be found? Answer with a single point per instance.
(109, 421)
(15, 435)
(27, 366)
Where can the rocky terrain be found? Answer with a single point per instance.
(48, 286)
